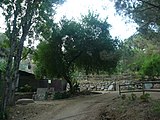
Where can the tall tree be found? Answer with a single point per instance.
(22, 18)
(144, 12)
(86, 45)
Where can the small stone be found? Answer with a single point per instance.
(12, 117)
(18, 112)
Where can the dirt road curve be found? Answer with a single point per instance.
(90, 107)
(79, 108)
(82, 108)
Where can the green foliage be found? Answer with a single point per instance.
(156, 108)
(151, 66)
(3, 116)
(145, 98)
(134, 51)
(145, 13)
(25, 88)
(23, 18)
(2, 65)
(85, 45)
(61, 95)
(133, 97)
(123, 96)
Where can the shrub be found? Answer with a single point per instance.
(132, 97)
(25, 88)
(145, 97)
(61, 95)
(156, 108)
(123, 97)
(151, 66)
(3, 115)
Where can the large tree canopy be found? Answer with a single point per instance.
(84, 45)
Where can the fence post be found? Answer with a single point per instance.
(119, 89)
(143, 87)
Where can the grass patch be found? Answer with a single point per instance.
(155, 109)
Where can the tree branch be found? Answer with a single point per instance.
(146, 2)
(145, 9)
(74, 58)
(24, 56)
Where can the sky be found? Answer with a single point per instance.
(76, 8)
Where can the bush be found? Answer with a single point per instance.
(145, 97)
(156, 108)
(123, 97)
(61, 95)
(3, 116)
(132, 97)
(25, 88)
(151, 66)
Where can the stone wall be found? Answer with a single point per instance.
(104, 82)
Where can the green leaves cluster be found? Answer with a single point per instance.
(85, 45)
(135, 50)
(151, 66)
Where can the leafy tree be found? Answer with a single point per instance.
(22, 18)
(85, 45)
(4, 45)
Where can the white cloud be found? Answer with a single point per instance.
(74, 9)
(2, 22)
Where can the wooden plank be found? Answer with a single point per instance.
(152, 90)
(129, 84)
(141, 90)
(128, 91)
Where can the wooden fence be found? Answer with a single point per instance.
(139, 87)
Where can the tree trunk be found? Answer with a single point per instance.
(68, 79)
(8, 77)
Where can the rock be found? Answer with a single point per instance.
(18, 112)
(148, 85)
(156, 86)
(12, 117)
(24, 101)
(110, 87)
(102, 88)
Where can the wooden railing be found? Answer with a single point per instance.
(139, 87)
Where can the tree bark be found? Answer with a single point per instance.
(12, 69)
(67, 78)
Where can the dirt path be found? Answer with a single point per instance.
(88, 107)
(79, 108)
